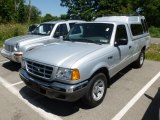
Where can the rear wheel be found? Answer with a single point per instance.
(97, 90)
(139, 62)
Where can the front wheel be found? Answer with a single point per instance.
(97, 90)
(139, 62)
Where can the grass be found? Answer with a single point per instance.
(11, 30)
(153, 53)
(154, 32)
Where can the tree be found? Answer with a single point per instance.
(17, 11)
(35, 14)
(63, 17)
(49, 17)
(21, 16)
(6, 10)
(90, 9)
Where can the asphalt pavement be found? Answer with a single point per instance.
(134, 94)
(155, 40)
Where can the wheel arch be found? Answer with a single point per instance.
(103, 70)
(144, 48)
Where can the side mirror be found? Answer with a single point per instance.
(32, 28)
(57, 34)
(121, 41)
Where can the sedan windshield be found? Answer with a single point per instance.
(99, 33)
(43, 29)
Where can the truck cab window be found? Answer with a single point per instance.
(136, 29)
(121, 34)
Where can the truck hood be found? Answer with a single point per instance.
(14, 40)
(63, 54)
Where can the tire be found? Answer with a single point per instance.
(12, 62)
(97, 90)
(139, 62)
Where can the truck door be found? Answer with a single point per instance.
(122, 49)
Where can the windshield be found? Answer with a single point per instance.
(99, 33)
(43, 29)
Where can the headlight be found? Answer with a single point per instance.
(67, 74)
(16, 47)
(23, 64)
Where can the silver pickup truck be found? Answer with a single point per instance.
(45, 33)
(81, 66)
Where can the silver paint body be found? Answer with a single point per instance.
(88, 58)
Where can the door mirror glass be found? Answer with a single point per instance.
(121, 41)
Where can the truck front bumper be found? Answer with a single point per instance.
(56, 90)
(13, 56)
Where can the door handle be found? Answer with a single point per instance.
(110, 57)
(130, 47)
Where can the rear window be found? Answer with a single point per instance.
(136, 29)
(144, 25)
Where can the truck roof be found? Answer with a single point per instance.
(126, 19)
(62, 21)
(107, 22)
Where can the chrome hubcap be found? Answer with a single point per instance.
(141, 59)
(98, 90)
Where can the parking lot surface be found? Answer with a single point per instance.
(134, 94)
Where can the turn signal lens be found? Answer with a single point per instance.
(75, 75)
(18, 54)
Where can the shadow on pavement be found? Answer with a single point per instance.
(153, 111)
(12, 66)
(60, 108)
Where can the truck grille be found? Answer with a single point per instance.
(9, 48)
(39, 70)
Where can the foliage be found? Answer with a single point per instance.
(49, 17)
(11, 30)
(153, 53)
(63, 17)
(35, 14)
(154, 32)
(90, 9)
(21, 12)
(17, 11)
(6, 10)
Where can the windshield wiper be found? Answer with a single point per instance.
(82, 40)
(39, 34)
(90, 41)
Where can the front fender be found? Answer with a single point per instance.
(98, 67)
(87, 69)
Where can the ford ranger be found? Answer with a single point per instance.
(81, 66)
